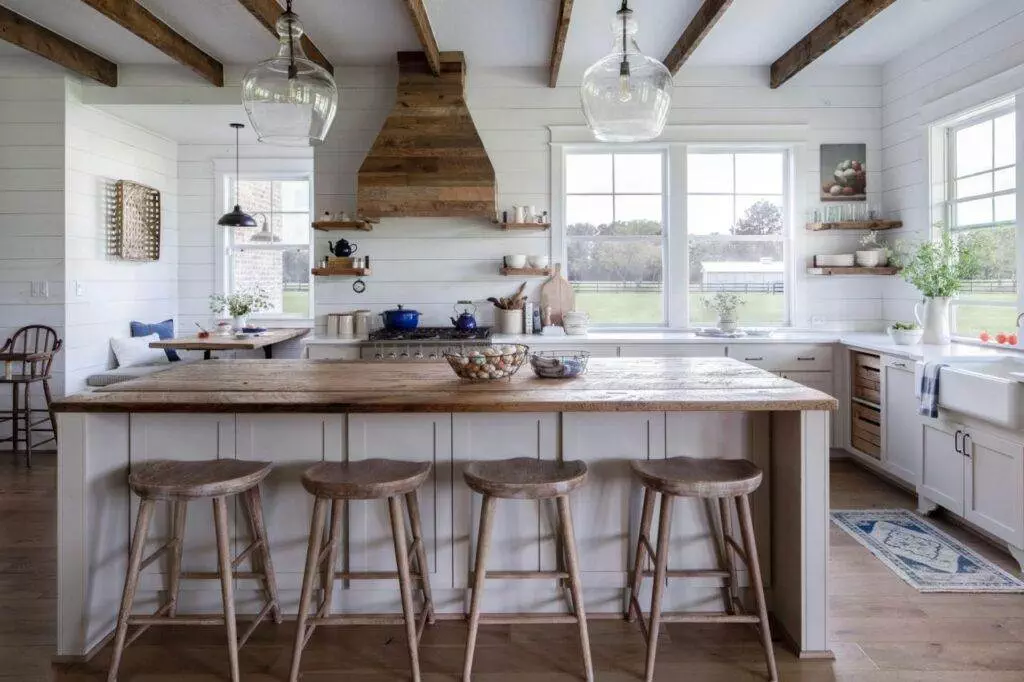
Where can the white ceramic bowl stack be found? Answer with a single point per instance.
(835, 260)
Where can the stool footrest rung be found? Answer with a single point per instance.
(710, 617)
(253, 546)
(526, 618)
(358, 619)
(176, 620)
(521, 575)
(157, 554)
(691, 573)
(374, 575)
(213, 575)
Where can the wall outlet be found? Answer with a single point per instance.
(79, 288)
(39, 290)
(817, 321)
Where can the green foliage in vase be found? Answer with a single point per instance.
(724, 303)
(241, 303)
(905, 326)
(937, 268)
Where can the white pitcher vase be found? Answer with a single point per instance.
(933, 316)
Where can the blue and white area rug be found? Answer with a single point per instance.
(924, 556)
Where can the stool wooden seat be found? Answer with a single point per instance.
(691, 477)
(721, 479)
(523, 478)
(370, 479)
(179, 483)
(171, 480)
(332, 483)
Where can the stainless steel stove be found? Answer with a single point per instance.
(420, 344)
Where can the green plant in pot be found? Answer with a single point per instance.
(240, 305)
(726, 304)
(938, 269)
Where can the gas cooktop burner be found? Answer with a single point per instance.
(430, 334)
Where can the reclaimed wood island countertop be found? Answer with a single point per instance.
(610, 385)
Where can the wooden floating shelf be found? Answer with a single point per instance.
(525, 226)
(341, 272)
(856, 270)
(526, 272)
(856, 225)
(328, 225)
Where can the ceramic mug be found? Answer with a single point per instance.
(515, 261)
(539, 261)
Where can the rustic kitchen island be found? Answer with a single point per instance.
(297, 412)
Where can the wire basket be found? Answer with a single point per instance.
(559, 364)
(493, 362)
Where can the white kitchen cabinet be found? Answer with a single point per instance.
(784, 357)
(671, 350)
(942, 465)
(597, 350)
(994, 484)
(419, 438)
(901, 424)
(347, 351)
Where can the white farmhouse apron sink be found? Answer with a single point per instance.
(986, 388)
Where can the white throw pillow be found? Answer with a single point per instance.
(133, 352)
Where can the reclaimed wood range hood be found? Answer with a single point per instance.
(428, 159)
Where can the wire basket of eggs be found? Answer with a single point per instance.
(488, 364)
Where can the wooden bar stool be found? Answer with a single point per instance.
(180, 483)
(26, 360)
(522, 478)
(721, 479)
(371, 479)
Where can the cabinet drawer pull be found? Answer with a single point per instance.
(901, 365)
(806, 359)
(956, 441)
(966, 449)
(758, 359)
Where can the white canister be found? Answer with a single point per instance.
(346, 326)
(575, 322)
(520, 214)
(362, 324)
(509, 321)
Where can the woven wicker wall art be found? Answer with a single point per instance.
(135, 221)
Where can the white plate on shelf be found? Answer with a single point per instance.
(834, 260)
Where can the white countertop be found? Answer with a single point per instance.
(879, 343)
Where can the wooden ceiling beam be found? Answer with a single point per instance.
(29, 35)
(826, 35)
(267, 13)
(144, 24)
(558, 46)
(703, 21)
(420, 21)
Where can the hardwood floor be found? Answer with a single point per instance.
(882, 629)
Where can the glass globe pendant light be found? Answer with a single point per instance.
(236, 217)
(290, 100)
(626, 95)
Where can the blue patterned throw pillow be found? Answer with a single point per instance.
(165, 330)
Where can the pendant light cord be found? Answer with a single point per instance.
(292, 71)
(238, 127)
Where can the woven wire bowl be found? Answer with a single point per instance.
(552, 364)
(483, 367)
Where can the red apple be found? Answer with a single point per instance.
(1000, 338)
(985, 337)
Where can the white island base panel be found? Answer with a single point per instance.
(97, 512)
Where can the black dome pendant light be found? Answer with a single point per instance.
(237, 217)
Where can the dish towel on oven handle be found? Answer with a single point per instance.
(929, 406)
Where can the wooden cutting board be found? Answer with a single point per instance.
(557, 294)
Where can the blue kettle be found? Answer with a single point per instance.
(465, 322)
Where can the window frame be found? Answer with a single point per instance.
(675, 237)
(990, 112)
(786, 238)
(261, 170)
(663, 151)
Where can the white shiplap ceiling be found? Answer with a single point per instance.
(503, 32)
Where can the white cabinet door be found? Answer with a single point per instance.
(942, 466)
(671, 350)
(596, 350)
(787, 357)
(994, 486)
(901, 428)
(413, 437)
(819, 381)
(332, 352)
(293, 442)
(605, 505)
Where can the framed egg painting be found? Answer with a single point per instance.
(844, 172)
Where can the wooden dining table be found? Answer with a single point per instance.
(265, 340)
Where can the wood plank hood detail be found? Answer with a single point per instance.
(428, 159)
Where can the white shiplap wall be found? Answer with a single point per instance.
(981, 46)
(104, 294)
(32, 167)
(430, 263)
